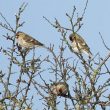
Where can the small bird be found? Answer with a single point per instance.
(26, 41)
(79, 45)
(59, 89)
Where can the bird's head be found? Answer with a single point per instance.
(72, 37)
(19, 34)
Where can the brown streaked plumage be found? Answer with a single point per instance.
(79, 45)
(26, 41)
(59, 89)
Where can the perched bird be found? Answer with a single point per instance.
(26, 41)
(59, 89)
(79, 45)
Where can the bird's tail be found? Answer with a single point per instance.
(40, 45)
(90, 55)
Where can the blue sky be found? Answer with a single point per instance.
(96, 19)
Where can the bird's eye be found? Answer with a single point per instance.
(71, 38)
(17, 35)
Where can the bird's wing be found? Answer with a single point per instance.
(81, 41)
(30, 39)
